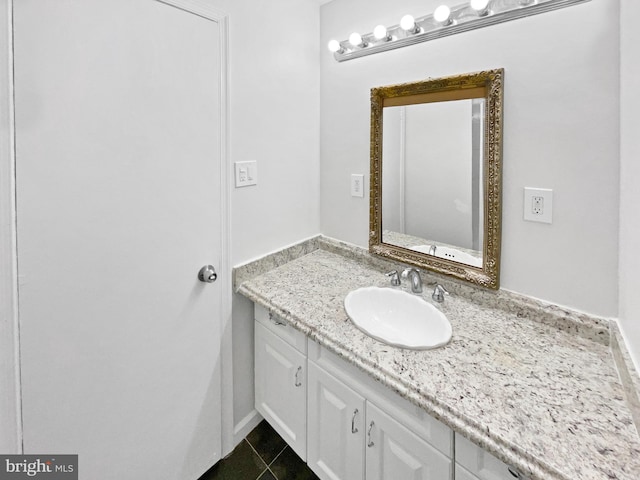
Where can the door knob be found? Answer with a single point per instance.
(207, 274)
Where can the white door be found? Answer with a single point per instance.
(118, 197)
(281, 388)
(335, 439)
(393, 451)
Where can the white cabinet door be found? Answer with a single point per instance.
(280, 376)
(335, 441)
(395, 452)
(481, 463)
(463, 474)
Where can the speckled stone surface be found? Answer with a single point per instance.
(263, 264)
(527, 308)
(538, 397)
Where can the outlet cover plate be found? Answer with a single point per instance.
(538, 204)
(357, 185)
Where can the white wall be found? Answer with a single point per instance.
(274, 98)
(561, 129)
(438, 172)
(274, 86)
(630, 176)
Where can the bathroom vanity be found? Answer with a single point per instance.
(523, 388)
(345, 424)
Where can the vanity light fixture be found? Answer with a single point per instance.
(460, 18)
(481, 7)
(355, 39)
(334, 46)
(381, 33)
(409, 25)
(442, 15)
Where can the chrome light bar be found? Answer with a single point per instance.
(442, 22)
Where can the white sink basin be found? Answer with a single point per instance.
(398, 318)
(451, 254)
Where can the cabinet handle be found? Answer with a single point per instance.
(514, 473)
(275, 319)
(298, 382)
(369, 441)
(354, 429)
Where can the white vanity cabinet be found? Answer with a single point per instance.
(474, 463)
(335, 428)
(350, 438)
(394, 451)
(359, 430)
(348, 426)
(281, 385)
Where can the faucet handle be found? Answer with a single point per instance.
(407, 271)
(395, 279)
(439, 292)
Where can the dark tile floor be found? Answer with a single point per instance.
(263, 455)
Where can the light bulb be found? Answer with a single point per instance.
(408, 23)
(380, 32)
(334, 46)
(355, 39)
(480, 6)
(442, 15)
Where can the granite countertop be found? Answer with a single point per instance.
(545, 398)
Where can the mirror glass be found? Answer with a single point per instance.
(432, 178)
(436, 183)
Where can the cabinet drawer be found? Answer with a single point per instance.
(481, 463)
(281, 328)
(411, 416)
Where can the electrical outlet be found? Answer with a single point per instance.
(357, 185)
(538, 204)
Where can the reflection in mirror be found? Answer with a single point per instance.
(436, 159)
(432, 178)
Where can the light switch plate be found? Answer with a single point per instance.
(357, 185)
(246, 173)
(538, 204)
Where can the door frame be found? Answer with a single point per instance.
(10, 383)
(10, 401)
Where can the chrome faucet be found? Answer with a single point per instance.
(395, 279)
(432, 250)
(414, 275)
(438, 293)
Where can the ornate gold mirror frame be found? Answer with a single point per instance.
(487, 85)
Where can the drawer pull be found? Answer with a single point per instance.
(354, 429)
(514, 473)
(369, 441)
(275, 319)
(298, 382)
